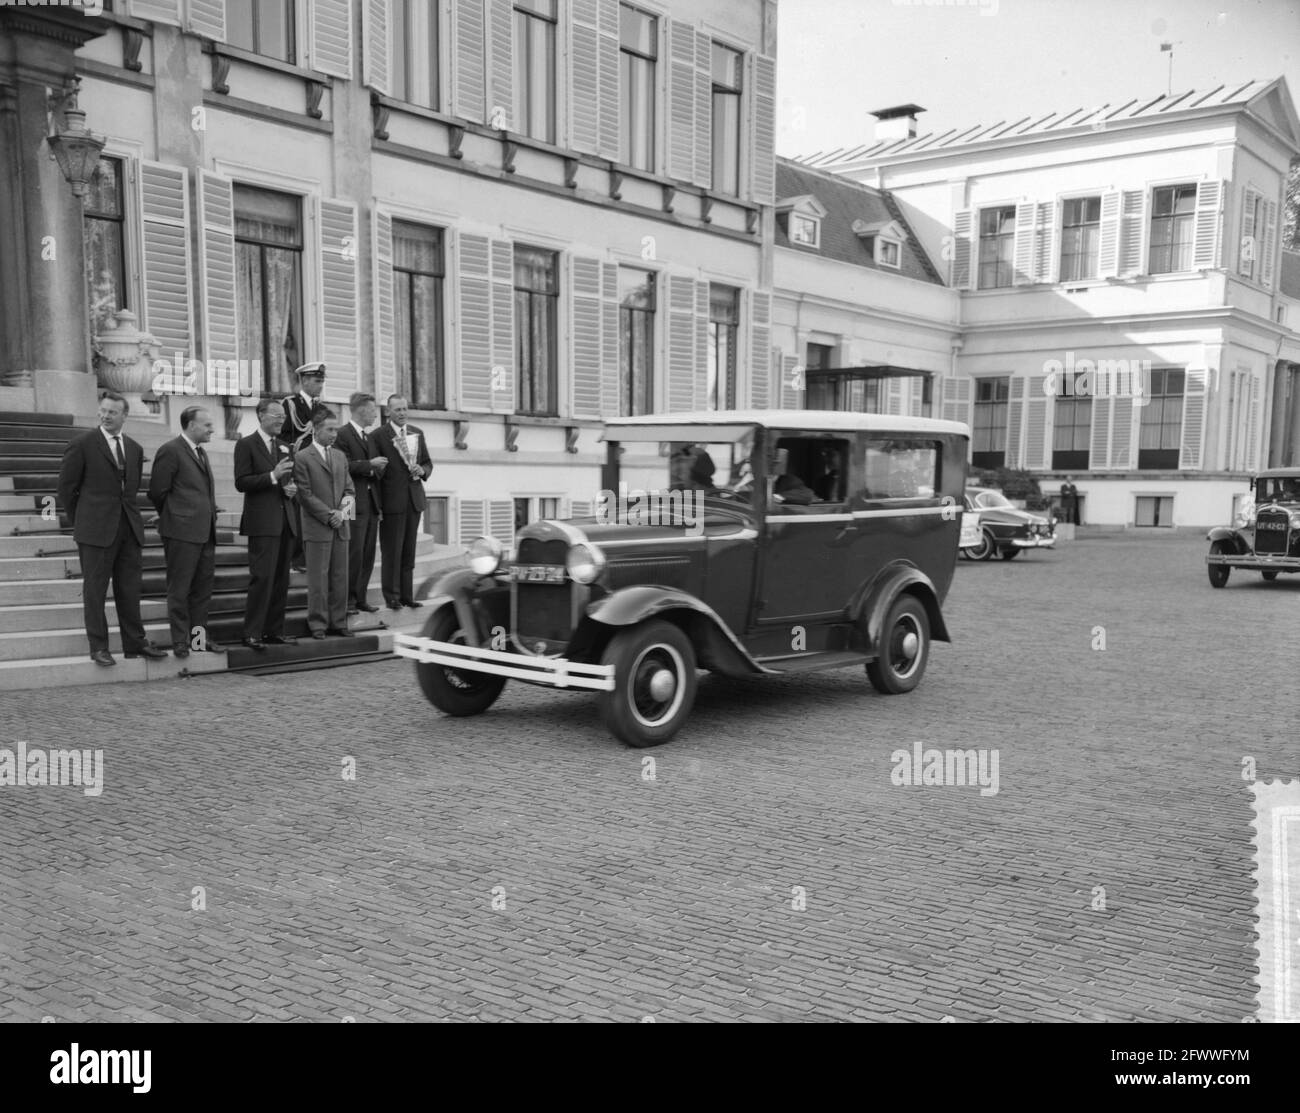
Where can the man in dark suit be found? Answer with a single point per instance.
(365, 466)
(181, 488)
(402, 500)
(264, 473)
(98, 481)
(328, 500)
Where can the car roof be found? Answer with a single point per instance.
(1279, 473)
(817, 420)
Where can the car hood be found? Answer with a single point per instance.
(1012, 515)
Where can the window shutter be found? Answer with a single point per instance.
(468, 46)
(586, 372)
(331, 37)
(760, 354)
(609, 337)
(501, 520)
(1121, 434)
(1268, 249)
(165, 212)
(158, 11)
(1209, 205)
(1100, 449)
(384, 308)
(339, 260)
(475, 319)
(374, 19)
(702, 349)
(1036, 408)
(1025, 243)
(1252, 430)
(792, 397)
(504, 384)
(1015, 420)
(956, 399)
(703, 127)
(1248, 253)
(1047, 253)
(683, 385)
(763, 137)
(916, 396)
(894, 396)
(501, 67)
(217, 267)
(594, 99)
(1132, 227)
(961, 274)
(580, 508)
(1194, 402)
(681, 101)
(473, 520)
(208, 18)
(1108, 248)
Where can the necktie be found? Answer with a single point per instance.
(203, 463)
(121, 460)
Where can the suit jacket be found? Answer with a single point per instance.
(359, 450)
(321, 490)
(92, 493)
(266, 507)
(183, 494)
(399, 492)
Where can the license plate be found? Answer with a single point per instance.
(538, 573)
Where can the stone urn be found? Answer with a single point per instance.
(124, 356)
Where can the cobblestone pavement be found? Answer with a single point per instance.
(620, 897)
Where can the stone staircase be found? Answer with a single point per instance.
(42, 637)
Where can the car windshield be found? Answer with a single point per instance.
(1277, 489)
(989, 500)
(712, 468)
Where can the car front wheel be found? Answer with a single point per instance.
(455, 691)
(1218, 572)
(904, 648)
(1270, 575)
(654, 683)
(985, 549)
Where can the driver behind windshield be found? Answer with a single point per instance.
(692, 469)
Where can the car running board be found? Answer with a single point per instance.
(811, 662)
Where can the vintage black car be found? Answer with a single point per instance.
(1005, 529)
(1266, 536)
(758, 543)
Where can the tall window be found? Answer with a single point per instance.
(639, 48)
(104, 232)
(997, 237)
(268, 282)
(1252, 233)
(989, 430)
(535, 68)
(536, 317)
(262, 26)
(1162, 420)
(822, 391)
(1072, 427)
(413, 61)
(636, 332)
(724, 331)
(436, 516)
(529, 509)
(1173, 213)
(418, 276)
(727, 68)
(1080, 238)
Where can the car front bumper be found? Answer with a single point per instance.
(554, 672)
(1250, 560)
(1042, 542)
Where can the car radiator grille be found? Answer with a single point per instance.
(1271, 532)
(545, 612)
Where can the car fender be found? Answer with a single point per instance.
(1225, 533)
(871, 606)
(480, 601)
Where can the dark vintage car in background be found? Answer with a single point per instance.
(1005, 529)
(753, 544)
(1266, 536)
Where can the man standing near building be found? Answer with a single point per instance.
(1070, 501)
(98, 481)
(299, 409)
(327, 497)
(365, 466)
(181, 489)
(264, 474)
(402, 499)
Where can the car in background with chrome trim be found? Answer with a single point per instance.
(1266, 534)
(751, 544)
(1005, 529)
(971, 538)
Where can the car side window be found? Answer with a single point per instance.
(809, 475)
(899, 468)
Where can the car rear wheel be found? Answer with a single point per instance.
(904, 648)
(1218, 572)
(654, 683)
(1010, 554)
(455, 691)
(1270, 575)
(985, 549)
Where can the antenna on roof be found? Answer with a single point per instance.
(1170, 48)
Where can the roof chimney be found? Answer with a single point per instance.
(898, 122)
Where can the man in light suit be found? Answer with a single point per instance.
(98, 481)
(365, 466)
(328, 501)
(264, 473)
(402, 499)
(181, 489)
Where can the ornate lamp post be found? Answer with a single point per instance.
(74, 146)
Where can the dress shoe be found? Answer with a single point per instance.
(353, 610)
(319, 635)
(150, 651)
(253, 643)
(278, 639)
(340, 633)
(412, 604)
(297, 568)
(181, 651)
(214, 647)
(102, 657)
(367, 608)
(392, 604)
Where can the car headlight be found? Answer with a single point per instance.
(584, 563)
(485, 555)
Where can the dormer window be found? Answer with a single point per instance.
(888, 252)
(802, 217)
(884, 239)
(805, 230)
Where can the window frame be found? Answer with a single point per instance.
(813, 221)
(551, 304)
(1009, 236)
(738, 92)
(442, 290)
(1150, 224)
(438, 61)
(524, 15)
(999, 404)
(1074, 458)
(129, 223)
(650, 390)
(725, 384)
(654, 84)
(1065, 202)
(1162, 457)
(295, 26)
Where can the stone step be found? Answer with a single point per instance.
(9, 417)
(16, 523)
(62, 544)
(67, 615)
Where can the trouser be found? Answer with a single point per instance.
(268, 585)
(190, 567)
(120, 563)
(361, 556)
(327, 584)
(397, 538)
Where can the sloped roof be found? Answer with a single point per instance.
(1269, 100)
(1288, 279)
(846, 201)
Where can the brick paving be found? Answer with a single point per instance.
(620, 898)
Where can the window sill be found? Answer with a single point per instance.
(239, 54)
(504, 419)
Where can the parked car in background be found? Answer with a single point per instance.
(1005, 529)
(971, 538)
(1266, 535)
(753, 544)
